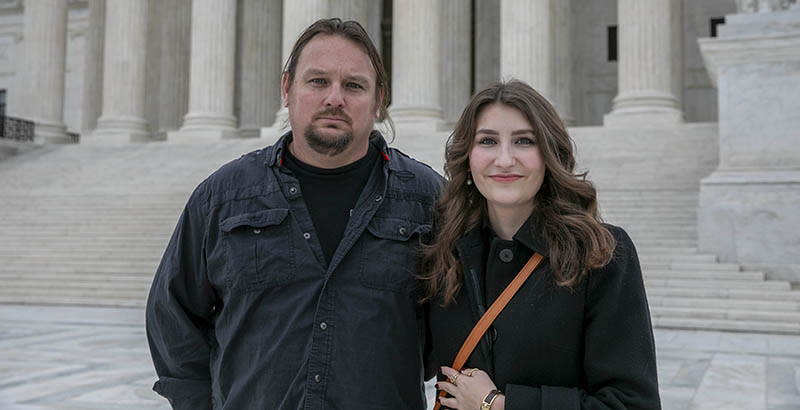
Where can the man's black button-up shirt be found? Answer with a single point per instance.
(244, 312)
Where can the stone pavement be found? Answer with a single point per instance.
(96, 358)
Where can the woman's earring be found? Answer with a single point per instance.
(469, 180)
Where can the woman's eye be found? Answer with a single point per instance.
(486, 141)
(526, 141)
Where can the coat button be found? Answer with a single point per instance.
(506, 255)
(317, 378)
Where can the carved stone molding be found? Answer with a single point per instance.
(763, 6)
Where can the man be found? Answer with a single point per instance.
(289, 280)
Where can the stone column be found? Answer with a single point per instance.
(297, 16)
(93, 67)
(259, 78)
(173, 93)
(648, 73)
(487, 42)
(124, 65)
(415, 59)
(456, 58)
(526, 43)
(211, 75)
(562, 54)
(748, 205)
(42, 70)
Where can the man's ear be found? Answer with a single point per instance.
(285, 89)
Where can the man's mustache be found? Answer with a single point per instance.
(334, 112)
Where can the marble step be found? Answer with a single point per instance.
(718, 292)
(727, 324)
(689, 266)
(88, 292)
(708, 303)
(726, 314)
(134, 269)
(81, 277)
(121, 256)
(73, 285)
(705, 275)
(61, 300)
(706, 283)
(673, 258)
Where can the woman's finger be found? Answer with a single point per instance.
(450, 388)
(449, 402)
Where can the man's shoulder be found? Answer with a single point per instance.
(241, 174)
(421, 171)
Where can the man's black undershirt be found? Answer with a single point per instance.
(330, 194)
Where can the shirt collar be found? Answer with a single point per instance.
(529, 235)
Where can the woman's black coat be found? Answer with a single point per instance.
(551, 347)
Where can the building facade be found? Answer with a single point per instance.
(138, 70)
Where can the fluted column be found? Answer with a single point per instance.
(526, 43)
(456, 58)
(648, 75)
(211, 76)
(415, 60)
(297, 16)
(259, 74)
(562, 54)
(42, 71)
(173, 92)
(124, 67)
(93, 67)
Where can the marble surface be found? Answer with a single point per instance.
(92, 358)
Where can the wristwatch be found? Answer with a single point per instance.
(489, 399)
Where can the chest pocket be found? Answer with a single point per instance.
(391, 253)
(259, 251)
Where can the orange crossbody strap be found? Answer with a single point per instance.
(491, 314)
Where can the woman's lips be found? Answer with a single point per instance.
(505, 177)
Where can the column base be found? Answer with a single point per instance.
(50, 132)
(201, 135)
(417, 119)
(249, 132)
(750, 217)
(119, 130)
(644, 109)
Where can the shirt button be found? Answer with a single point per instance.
(306, 235)
(402, 230)
(292, 190)
(317, 378)
(323, 325)
(256, 231)
(506, 255)
(378, 198)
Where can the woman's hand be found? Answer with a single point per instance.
(468, 388)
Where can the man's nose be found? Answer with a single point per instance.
(335, 98)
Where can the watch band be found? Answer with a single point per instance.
(489, 399)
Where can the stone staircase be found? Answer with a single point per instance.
(688, 289)
(86, 225)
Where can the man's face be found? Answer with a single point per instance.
(332, 100)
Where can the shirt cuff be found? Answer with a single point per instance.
(185, 394)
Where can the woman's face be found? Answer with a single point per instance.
(505, 160)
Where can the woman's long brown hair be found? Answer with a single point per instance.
(565, 206)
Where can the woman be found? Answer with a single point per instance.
(577, 335)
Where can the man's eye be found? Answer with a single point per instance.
(318, 81)
(355, 86)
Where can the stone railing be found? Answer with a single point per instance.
(16, 129)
